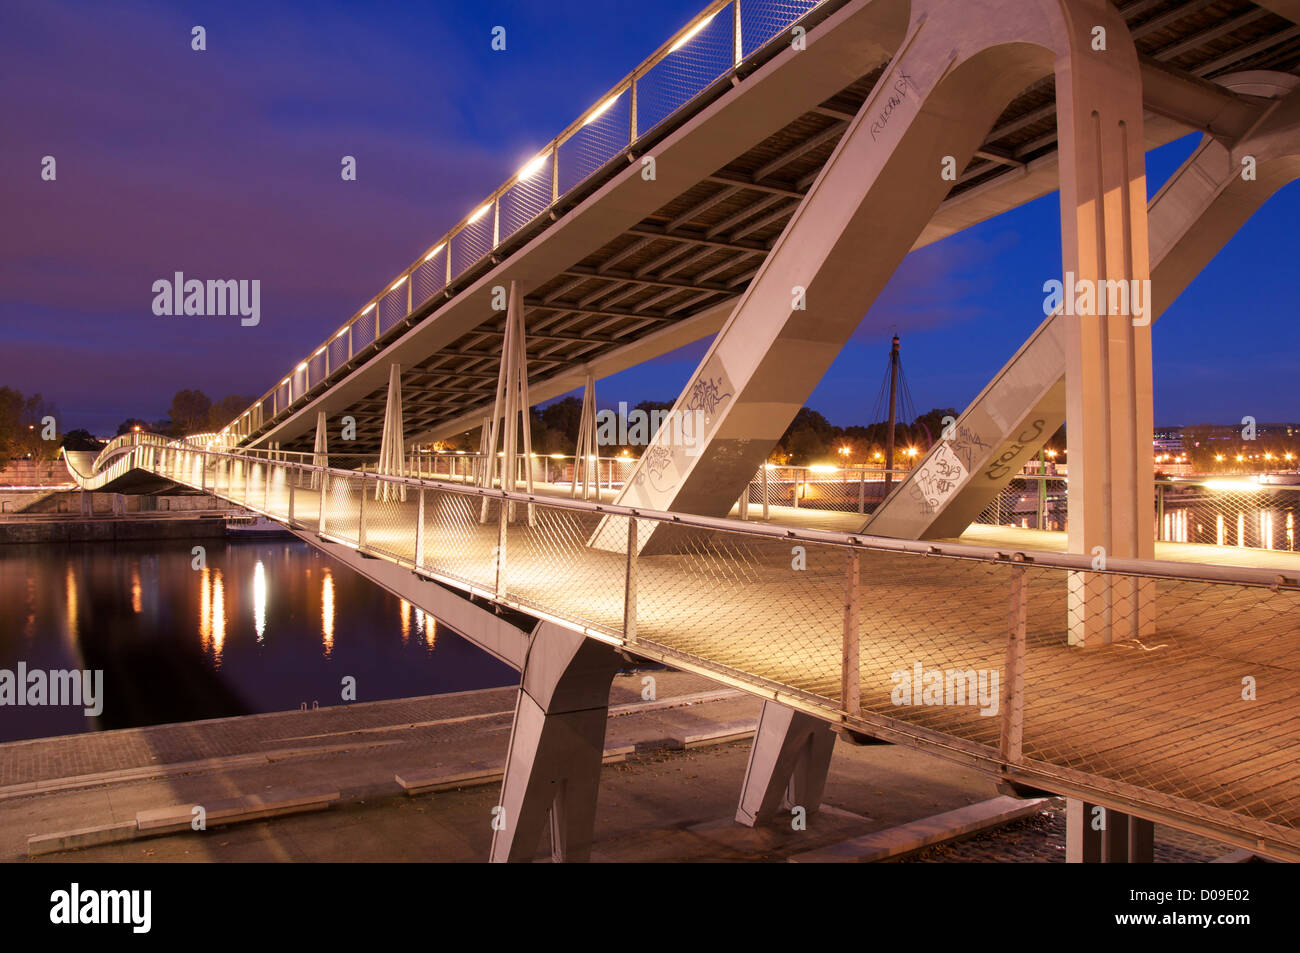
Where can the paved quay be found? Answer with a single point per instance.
(673, 773)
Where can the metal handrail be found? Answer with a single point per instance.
(860, 541)
(634, 133)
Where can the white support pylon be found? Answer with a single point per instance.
(391, 445)
(511, 408)
(585, 455)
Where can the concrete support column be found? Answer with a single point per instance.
(1098, 835)
(556, 746)
(787, 765)
(1108, 388)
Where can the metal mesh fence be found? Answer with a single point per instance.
(528, 197)
(1028, 502)
(392, 307)
(1228, 513)
(603, 136)
(1198, 702)
(430, 277)
(834, 489)
(316, 368)
(686, 71)
(762, 20)
(472, 242)
(338, 350)
(363, 331)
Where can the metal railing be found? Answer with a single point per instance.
(1160, 713)
(724, 37)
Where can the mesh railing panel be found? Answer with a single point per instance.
(457, 544)
(338, 351)
(1255, 517)
(392, 308)
(594, 144)
(1170, 709)
(430, 277)
(550, 543)
(761, 20)
(526, 199)
(471, 243)
(1030, 503)
(686, 72)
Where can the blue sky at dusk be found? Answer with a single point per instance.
(225, 163)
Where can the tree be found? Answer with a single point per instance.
(81, 440)
(226, 410)
(189, 412)
(22, 426)
(562, 418)
(132, 423)
(809, 437)
(927, 429)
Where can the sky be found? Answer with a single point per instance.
(225, 163)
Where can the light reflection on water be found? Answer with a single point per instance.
(263, 626)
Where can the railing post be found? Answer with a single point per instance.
(1160, 511)
(632, 133)
(350, 341)
(203, 472)
(502, 522)
(850, 689)
(324, 495)
(361, 513)
(555, 184)
(419, 532)
(629, 583)
(266, 499)
(795, 492)
(1042, 500)
(1013, 685)
(763, 470)
(862, 492)
(738, 48)
(248, 475)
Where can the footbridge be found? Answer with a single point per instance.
(758, 180)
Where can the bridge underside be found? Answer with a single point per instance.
(632, 268)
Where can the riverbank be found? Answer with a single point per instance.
(416, 780)
(61, 528)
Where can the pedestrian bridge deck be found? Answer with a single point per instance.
(1164, 727)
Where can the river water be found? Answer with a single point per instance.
(266, 625)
